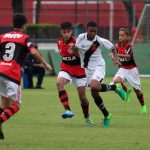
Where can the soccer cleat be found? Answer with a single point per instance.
(128, 95)
(89, 121)
(121, 92)
(1, 133)
(67, 114)
(143, 109)
(106, 121)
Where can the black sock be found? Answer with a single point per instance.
(99, 102)
(107, 87)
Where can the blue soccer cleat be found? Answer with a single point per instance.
(67, 114)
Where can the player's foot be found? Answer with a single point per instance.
(89, 121)
(143, 109)
(106, 121)
(67, 114)
(128, 95)
(1, 133)
(121, 92)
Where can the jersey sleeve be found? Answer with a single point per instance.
(105, 43)
(30, 44)
(78, 40)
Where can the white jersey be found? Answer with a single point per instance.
(83, 45)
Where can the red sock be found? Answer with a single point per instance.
(8, 112)
(63, 96)
(124, 87)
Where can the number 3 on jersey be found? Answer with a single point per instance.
(9, 53)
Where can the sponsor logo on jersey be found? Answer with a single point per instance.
(9, 35)
(67, 58)
(6, 64)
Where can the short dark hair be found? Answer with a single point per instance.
(65, 25)
(19, 20)
(91, 24)
(124, 30)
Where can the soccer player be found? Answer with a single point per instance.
(13, 48)
(70, 70)
(88, 46)
(128, 70)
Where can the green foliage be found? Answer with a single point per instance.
(42, 31)
(39, 126)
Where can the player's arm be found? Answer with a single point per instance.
(74, 49)
(129, 53)
(114, 55)
(37, 55)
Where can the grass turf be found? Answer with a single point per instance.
(39, 126)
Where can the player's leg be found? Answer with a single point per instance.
(11, 99)
(140, 97)
(94, 77)
(10, 107)
(98, 76)
(120, 77)
(62, 79)
(134, 80)
(100, 104)
(84, 104)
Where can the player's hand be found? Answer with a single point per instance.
(48, 67)
(71, 45)
(118, 64)
(111, 55)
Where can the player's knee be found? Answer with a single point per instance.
(94, 88)
(59, 84)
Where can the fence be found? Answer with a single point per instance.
(109, 15)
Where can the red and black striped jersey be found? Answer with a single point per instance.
(127, 63)
(70, 62)
(13, 48)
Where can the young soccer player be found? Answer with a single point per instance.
(88, 46)
(70, 70)
(128, 69)
(13, 48)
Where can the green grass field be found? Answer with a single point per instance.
(39, 126)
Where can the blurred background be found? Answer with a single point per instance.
(44, 17)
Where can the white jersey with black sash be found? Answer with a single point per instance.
(90, 51)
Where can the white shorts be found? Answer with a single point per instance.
(10, 90)
(76, 81)
(131, 76)
(97, 73)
